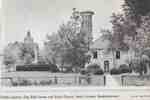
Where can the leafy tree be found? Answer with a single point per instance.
(129, 22)
(122, 26)
(52, 48)
(12, 54)
(68, 45)
(130, 29)
(108, 35)
(18, 53)
(136, 8)
(143, 34)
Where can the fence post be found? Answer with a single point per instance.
(122, 80)
(76, 80)
(104, 80)
(88, 79)
(55, 80)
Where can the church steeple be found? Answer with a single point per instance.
(75, 14)
(28, 38)
(29, 33)
(29, 42)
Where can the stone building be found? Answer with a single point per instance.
(109, 59)
(84, 23)
(100, 55)
(87, 24)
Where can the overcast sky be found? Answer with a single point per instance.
(44, 16)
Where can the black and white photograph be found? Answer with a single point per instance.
(104, 43)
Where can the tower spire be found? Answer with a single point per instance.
(28, 38)
(75, 14)
(29, 33)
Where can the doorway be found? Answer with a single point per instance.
(106, 66)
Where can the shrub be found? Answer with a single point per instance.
(14, 83)
(99, 72)
(45, 82)
(93, 68)
(125, 69)
(138, 65)
(114, 71)
(37, 67)
(54, 68)
(83, 72)
(25, 82)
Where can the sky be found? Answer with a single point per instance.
(43, 17)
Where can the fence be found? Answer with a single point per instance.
(65, 79)
(53, 79)
(134, 80)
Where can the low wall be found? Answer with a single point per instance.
(134, 80)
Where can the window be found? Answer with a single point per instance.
(117, 54)
(95, 54)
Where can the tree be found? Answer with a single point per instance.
(131, 29)
(18, 53)
(69, 45)
(122, 26)
(129, 21)
(107, 35)
(12, 54)
(52, 48)
(136, 8)
(143, 34)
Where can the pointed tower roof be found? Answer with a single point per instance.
(28, 38)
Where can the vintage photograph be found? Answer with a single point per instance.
(102, 43)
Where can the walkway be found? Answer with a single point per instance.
(110, 81)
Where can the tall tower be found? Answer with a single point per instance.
(87, 24)
(29, 41)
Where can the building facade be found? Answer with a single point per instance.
(102, 55)
(87, 23)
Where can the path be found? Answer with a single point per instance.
(110, 81)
